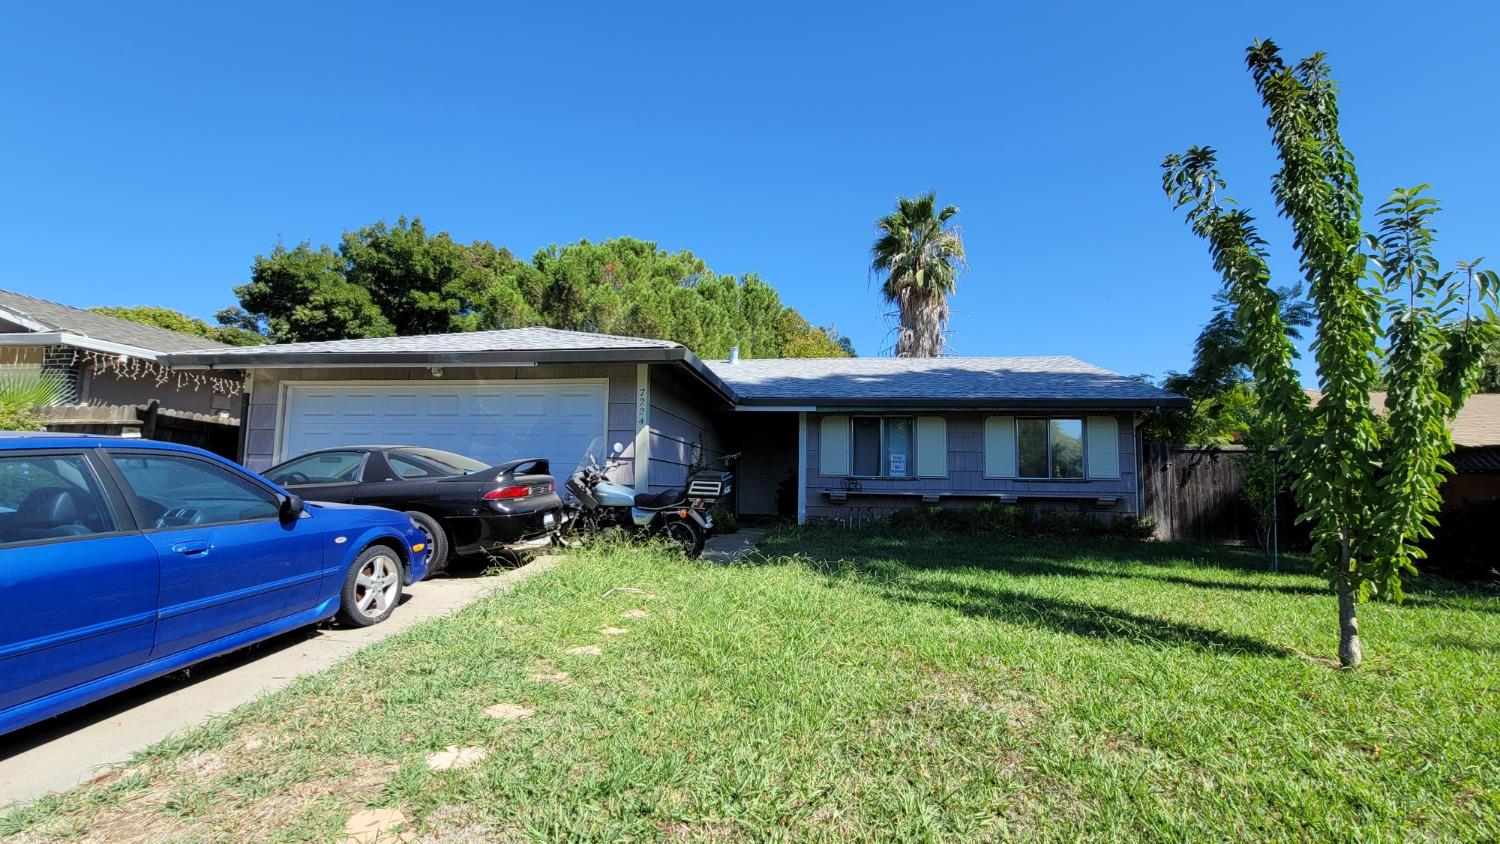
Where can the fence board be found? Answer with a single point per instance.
(1195, 494)
(211, 433)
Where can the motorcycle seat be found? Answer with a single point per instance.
(658, 500)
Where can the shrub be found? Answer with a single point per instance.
(17, 418)
(993, 518)
(725, 521)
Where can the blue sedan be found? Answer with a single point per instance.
(122, 560)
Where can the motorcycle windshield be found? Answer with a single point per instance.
(593, 456)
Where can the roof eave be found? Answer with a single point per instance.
(271, 359)
(713, 381)
(982, 403)
(78, 341)
(24, 320)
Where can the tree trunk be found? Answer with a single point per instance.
(924, 315)
(1351, 654)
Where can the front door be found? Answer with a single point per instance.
(228, 561)
(79, 584)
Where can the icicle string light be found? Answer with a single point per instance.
(137, 369)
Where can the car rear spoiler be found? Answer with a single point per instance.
(533, 466)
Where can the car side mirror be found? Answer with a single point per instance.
(291, 508)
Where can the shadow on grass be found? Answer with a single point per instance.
(906, 567)
(1074, 617)
(900, 568)
(894, 553)
(1457, 643)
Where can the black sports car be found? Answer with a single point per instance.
(463, 505)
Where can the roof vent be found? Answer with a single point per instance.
(734, 354)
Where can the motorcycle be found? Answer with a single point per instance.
(596, 506)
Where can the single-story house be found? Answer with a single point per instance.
(812, 438)
(106, 361)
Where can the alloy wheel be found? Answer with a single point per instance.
(377, 585)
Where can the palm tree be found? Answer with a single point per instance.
(921, 257)
(24, 390)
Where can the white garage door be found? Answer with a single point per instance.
(488, 422)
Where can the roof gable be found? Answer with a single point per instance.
(41, 315)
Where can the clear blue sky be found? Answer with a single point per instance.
(150, 151)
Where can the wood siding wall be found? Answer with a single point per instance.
(682, 421)
(965, 475)
(265, 399)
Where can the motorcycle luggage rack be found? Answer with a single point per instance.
(707, 485)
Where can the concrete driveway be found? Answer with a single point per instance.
(58, 754)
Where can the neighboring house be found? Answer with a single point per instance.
(1476, 448)
(1476, 453)
(105, 361)
(815, 438)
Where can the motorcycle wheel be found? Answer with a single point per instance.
(685, 535)
(585, 530)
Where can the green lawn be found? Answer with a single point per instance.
(866, 685)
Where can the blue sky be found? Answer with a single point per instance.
(151, 151)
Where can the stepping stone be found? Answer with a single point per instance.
(371, 825)
(613, 631)
(455, 757)
(559, 677)
(584, 650)
(509, 711)
(635, 614)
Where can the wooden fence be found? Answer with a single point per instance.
(210, 433)
(1193, 493)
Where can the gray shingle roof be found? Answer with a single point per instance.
(960, 380)
(58, 317)
(503, 340)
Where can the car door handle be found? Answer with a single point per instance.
(192, 549)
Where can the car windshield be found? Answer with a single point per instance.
(456, 463)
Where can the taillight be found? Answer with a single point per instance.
(505, 493)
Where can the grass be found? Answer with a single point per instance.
(871, 686)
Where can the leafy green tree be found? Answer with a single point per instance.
(1489, 369)
(302, 295)
(633, 287)
(400, 279)
(1219, 383)
(1465, 334)
(1265, 473)
(427, 284)
(1221, 360)
(171, 320)
(236, 317)
(1366, 485)
(920, 255)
